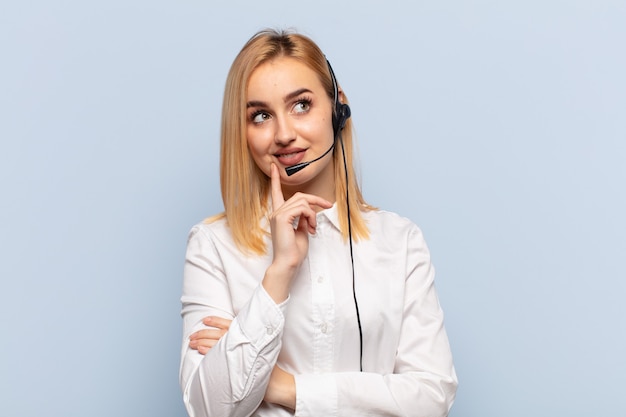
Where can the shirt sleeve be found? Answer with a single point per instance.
(423, 382)
(231, 379)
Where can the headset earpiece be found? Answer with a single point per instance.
(342, 111)
(342, 114)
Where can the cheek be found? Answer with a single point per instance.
(258, 145)
(320, 128)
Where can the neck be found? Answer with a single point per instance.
(323, 185)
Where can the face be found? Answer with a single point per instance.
(289, 120)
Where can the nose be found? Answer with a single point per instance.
(285, 132)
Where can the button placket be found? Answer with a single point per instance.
(322, 298)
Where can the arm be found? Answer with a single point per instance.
(423, 381)
(281, 388)
(231, 379)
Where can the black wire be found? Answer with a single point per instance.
(356, 304)
(338, 127)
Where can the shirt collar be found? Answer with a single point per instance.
(331, 215)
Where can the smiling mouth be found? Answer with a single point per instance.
(290, 158)
(287, 155)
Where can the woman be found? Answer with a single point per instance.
(301, 299)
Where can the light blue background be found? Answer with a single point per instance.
(498, 127)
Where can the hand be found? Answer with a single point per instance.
(281, 388)
(205, 339)
(291, 221)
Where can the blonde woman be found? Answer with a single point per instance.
(301, 299)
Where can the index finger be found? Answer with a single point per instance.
(217, 322)
(277, 192)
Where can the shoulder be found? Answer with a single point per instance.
(216, 235)
(393, 231)
(213, 229)
(380, 221)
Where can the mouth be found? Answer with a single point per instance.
(290, 156)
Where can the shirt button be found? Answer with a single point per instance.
(269, 329)
(320, 279)
(324, 328)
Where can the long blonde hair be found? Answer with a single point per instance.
(245, 188)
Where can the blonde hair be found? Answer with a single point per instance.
(245, 188)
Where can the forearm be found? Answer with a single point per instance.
(231, 379)
(277, 281)
(358, 393)
(281, 389)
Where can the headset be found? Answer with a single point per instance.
(341, 113)
(340, 116)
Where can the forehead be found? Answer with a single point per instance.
(282, 76)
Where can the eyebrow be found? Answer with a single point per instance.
(288, 97)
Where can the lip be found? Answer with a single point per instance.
(291, 156)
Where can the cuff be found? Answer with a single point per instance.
(316, 395)
(263, 320)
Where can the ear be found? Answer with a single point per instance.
(342, 97)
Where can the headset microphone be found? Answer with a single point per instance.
(297, 167)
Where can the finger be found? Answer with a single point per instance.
(302, 206)
(206, 338)
(208, 334)
(307, 226)
(311, 200)
(277, 192)
(195, 344)
(202, 346)
(306, 219)
(218, 322)
(207, 343)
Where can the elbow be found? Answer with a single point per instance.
(434, 398)
(199, 404)
(197, 398)
(195, 403)
(448, 389)
(442, 394)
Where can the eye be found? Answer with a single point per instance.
(302, 106)
(259, 117)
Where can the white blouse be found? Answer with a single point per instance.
(407, 364)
